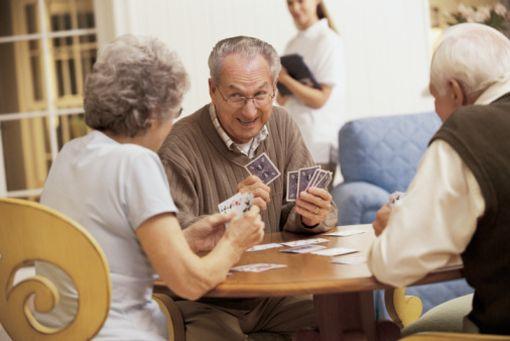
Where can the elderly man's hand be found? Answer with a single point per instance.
(381, 219)
(261, 192)
(313, 205)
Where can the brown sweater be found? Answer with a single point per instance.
(203, 172)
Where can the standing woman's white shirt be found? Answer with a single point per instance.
(322, 51)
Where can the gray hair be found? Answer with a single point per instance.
(135, 79)
(247, 47)
(475, 55)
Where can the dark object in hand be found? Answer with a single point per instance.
(298, 70)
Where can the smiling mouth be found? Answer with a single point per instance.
(247, 123)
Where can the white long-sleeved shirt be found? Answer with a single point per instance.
(436, 220)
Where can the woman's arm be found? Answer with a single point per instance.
(314, 98)
(185, 273)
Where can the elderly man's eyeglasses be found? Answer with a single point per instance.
(260, 99)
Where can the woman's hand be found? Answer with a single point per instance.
(204, 234)
(246, 231)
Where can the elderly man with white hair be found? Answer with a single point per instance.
(459, 201)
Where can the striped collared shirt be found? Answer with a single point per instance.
(254, 144)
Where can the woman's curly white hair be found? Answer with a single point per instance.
(135, 79)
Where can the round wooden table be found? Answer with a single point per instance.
(343, 294)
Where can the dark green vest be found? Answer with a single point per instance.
(480, 134)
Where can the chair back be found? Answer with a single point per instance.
(385, 151)
(32, 232)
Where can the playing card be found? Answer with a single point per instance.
(303, 249)
(305, 242)
(324, 181)
(264, 168)
(321, 179)
(344, 233)
(304, 177)
(334, 251)
(257, 267)
(314, 178)
(261, 247)
(292, 183)
(238, 203)
(349, 260)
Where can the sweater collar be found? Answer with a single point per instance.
(212, 135)
(254, 144)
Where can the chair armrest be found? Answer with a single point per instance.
(175, 321)
(354, 199)
(436, 336)
(403, 309)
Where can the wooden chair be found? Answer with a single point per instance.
(454, 337)
(30, 232)
(405, 309)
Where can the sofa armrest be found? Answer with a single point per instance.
(357, 202)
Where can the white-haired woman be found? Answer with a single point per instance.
(112, 182)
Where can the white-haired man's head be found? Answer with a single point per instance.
(468, 59)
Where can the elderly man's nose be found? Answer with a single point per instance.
(249, 108)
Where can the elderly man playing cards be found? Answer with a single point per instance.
(241, 143)
(458, 204)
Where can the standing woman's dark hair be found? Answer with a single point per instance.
(322, 13)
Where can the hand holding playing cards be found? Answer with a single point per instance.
(381, 219)
(260, 191)
(204, 234)
(246, 231)
(313, 205)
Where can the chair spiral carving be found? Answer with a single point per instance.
(32, 232)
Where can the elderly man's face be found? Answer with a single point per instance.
(243, 78)
(446, 103)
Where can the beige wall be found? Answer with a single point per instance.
(386, 42)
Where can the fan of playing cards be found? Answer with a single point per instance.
(297, 181)
(239, 203)
(304, 178)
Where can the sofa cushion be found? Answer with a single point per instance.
(385, 151)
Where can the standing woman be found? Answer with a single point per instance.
(318, 112)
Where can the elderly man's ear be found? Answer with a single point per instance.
(457, 93)
(211, 87)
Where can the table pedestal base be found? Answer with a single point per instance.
(351, 316)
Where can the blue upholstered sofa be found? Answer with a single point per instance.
(379, 156)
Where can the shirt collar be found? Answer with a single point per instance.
(231, 145)
(497, 89)
(317, 27)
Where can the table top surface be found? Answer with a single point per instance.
(312, 274)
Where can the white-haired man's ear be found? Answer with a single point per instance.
(457, 93)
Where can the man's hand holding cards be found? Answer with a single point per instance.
(308, 188)
(260, 191)
(263, 172)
